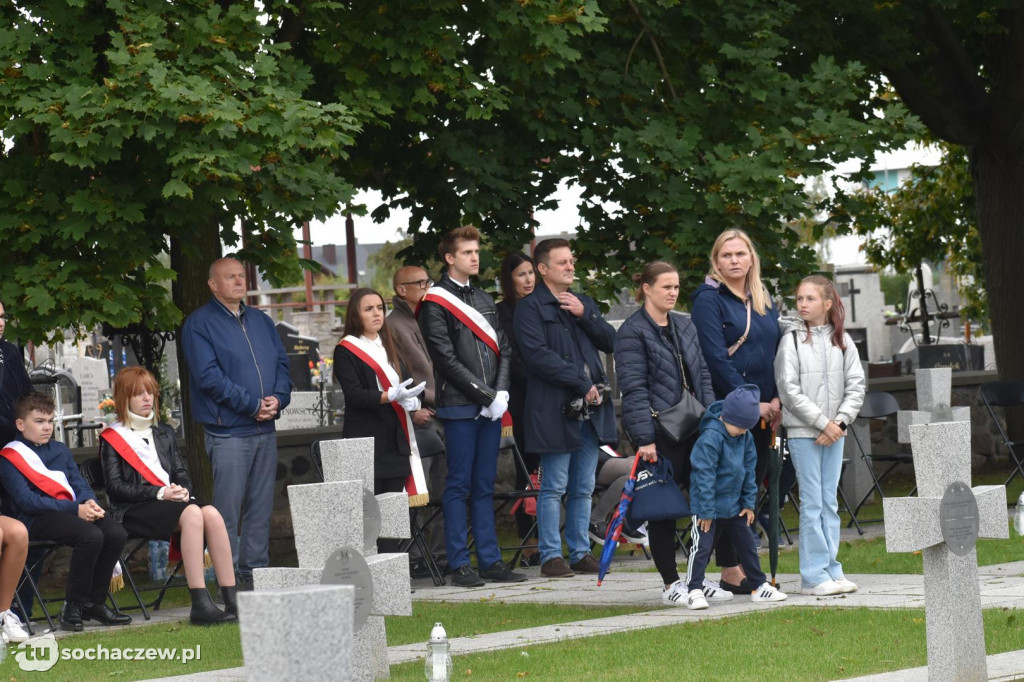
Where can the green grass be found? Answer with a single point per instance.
(790, 644)
(219, 647)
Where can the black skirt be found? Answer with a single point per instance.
(156, 519)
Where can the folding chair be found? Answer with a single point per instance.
(510, 497)
(92, 471)
(1006, 394)
(28, 587)
(877, 405)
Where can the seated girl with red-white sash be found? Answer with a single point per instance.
(46, 492)
(150, 493)
(379, 398)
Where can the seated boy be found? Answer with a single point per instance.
(46, 492)
(723, 491)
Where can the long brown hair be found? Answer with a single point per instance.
(836, 314)
(128, 383)
(758, 293)
(354, 326)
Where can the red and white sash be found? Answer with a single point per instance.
(477, 323)
(25, 460)
(140, 454)
(376, 358)
(466, 314)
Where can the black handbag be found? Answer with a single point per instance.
(682, 420)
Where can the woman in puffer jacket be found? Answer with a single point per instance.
(657, 357)
(821, 384)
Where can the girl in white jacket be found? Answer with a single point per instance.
(821, 384)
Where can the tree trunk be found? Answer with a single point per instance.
(998, 174)
(191, 261)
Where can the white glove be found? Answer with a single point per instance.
(410, 404)
(498, 406)
(397, 393)
(485, 412)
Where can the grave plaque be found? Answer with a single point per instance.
(348, 567)
(860, 340)
(958, 518)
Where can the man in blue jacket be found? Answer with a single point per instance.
(239, 383)
(560, 333)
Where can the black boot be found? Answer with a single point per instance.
(203, 610)
(230, 597)
(71, 616)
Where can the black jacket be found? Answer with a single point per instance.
(560, 352)
(366, 417)
(648, 371)
(126, 487)
(466, 370)
(14, 383)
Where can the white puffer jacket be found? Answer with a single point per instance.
(818, 382)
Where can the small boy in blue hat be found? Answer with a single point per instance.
(723, 491)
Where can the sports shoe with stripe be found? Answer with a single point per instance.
(695, 600)
(715, 593)
(675, 594)
(767, 593)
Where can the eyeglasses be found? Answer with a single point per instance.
(421, 283)
(6, 318)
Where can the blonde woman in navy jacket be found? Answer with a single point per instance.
(719, 311)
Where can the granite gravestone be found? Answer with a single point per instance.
(321, 651)
(328, 520)
(934, 393)
(944, 522)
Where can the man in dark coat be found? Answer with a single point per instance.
(568, 414)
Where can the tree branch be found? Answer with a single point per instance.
(654, 46)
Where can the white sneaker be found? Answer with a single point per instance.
(767, 593)
(826, 589)
(13, 629)
(695, 600)
(674, 594)
(715, 593)
(846, 585)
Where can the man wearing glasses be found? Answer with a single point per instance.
(411, 283)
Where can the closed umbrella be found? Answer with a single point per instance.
(613, 536)
(774, 471)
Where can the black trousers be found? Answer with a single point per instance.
(725, 550)
(95, 549)
(662, 534)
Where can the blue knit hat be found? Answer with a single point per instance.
(742, 407)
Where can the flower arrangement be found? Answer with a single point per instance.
(106, 405)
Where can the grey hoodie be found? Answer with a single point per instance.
(818, 382)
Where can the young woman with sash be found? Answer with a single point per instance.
(150, 493)
(379, 398)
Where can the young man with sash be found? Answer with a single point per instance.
(471, 366)
(46, 492)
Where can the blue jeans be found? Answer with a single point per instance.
(570, 474)
(818, 468)
(472, 450)
(244, 471)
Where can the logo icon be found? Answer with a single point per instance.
(38, 654)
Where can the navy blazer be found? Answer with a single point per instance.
(648, 371)
(24, 501)
(558, 350)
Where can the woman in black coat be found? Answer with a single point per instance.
(657, 356)
(517, 281)
(369, 408)
(150, 492)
